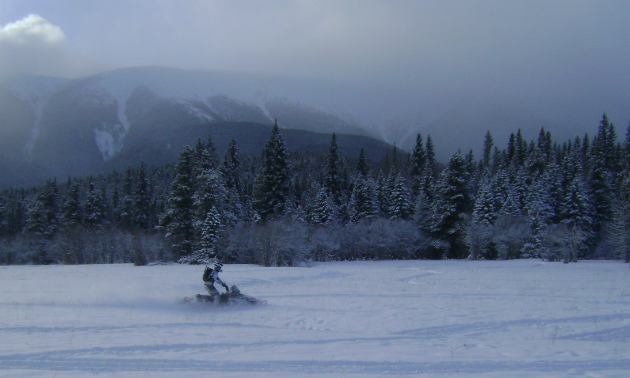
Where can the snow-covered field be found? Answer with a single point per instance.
(416, 318)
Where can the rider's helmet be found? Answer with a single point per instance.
(217, 266)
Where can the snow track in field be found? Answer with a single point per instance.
(390, 318)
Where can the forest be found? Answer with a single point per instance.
(542, 199)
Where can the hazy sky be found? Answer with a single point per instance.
(506, 48)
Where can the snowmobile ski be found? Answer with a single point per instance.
(233, 297)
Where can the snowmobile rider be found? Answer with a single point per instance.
(210, 276)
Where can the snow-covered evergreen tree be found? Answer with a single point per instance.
(205, 156)
(400, 204)
(211, 229)
(94, 206)
(578, 215)
(231, 167)
(539, 210)
(209, 193)
(487, 151)
(618, 235)
(127, 203)
(545, 144)
(552, 179)
(417, 164)
(43, 212)
(382, 194)
(180, 214)
(362, 202)
(273, 186)
(363, 168)
(423, 212)
(323, 208)
(601, 174)
(142, 200)
(540, 214)
(71, 212)
(233, 209)
(449, 211)
(485, 210)
(516, 194)
(429, 177)
(334, 180)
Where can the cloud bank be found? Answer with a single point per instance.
(33, 45)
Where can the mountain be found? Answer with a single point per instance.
(57, 127)
(51, 126)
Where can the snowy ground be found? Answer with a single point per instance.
(412, 318)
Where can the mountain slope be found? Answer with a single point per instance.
(74, 127)
(62, 125)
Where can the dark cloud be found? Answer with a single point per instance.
(466, 45)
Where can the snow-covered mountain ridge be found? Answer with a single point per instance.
(70, 124)
(203, 95)
(85, 122)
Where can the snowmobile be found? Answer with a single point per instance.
(232, 297)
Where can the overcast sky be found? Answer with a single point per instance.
(539, 48)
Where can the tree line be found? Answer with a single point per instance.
(531, 199)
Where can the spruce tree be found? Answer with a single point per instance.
(430, 162)
(511, 148)
(382, 194)
(619, 233)
(43, 213)
(231, 167)
(71, 213)
(601, 175)
(545, 144)
(231, 174)
(209, 193)
(142, 200)
(180, 213)
(333, 179)
(540, 214)
(400, 205)
(127, 202)
(578, 214)
(429, 178)
(362, 202)
(93, 207)
(323, 208)
(449, 217)
(417, 165)
(363, 167)
(418, 158)
(423, 212)
(210, 233)
(520, 150)
(516, 196)
(552, 178)
(205, 155)
(487, 151)
(485, 211)
(274, 181)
